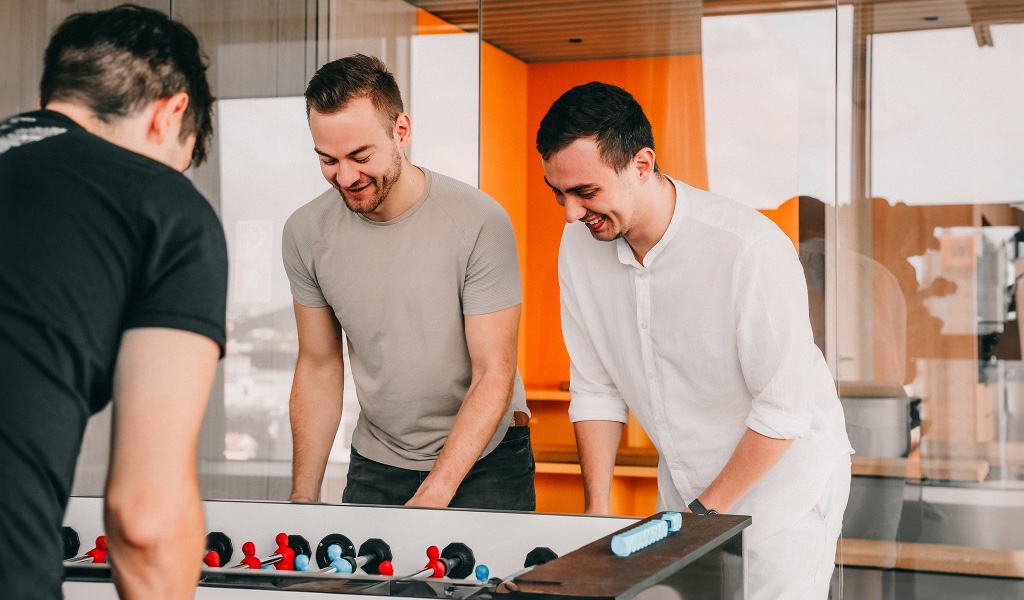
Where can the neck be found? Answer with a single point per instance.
(653, 217)
(85, 118)
(127, 132)
(404, 194)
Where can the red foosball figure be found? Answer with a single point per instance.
(99, 553)
(212, 559)
(434, 562)
(249, 559)
(287, 562)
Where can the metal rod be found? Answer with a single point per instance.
(507, 584)
(273, 558)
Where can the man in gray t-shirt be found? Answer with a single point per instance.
(421, 273)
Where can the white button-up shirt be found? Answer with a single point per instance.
(707, 338)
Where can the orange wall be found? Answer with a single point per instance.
(672, 93)
(503, 158)
(787, 217)
(430, 24)
(514, 97)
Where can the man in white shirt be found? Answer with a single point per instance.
(691, 310)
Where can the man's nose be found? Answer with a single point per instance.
(346, 174)
(574, 210)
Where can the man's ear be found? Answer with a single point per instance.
(403, 130)
(643, 162)
(166, 117)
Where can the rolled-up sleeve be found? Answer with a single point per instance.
(594, 396)
(774, 338)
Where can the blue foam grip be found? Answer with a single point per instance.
(639, 537)
(674, 520)
(482, 573)
(302, 563)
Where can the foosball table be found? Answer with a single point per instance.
(299, 551)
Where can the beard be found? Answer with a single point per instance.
(382, 185)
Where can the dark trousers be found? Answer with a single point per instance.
(502, 480)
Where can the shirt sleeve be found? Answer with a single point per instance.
(594, 396)
(296, 251)
(492, 272)
(183, 281)
(774, 338)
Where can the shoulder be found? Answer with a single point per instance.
(310, 221)
(468, 209)
(173, 213)
(726, 216)
(32, 127)
(754, 242)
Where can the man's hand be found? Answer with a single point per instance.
(598, 442)
(433, 498)
(316, 398)
(492, 340)
(153, 512)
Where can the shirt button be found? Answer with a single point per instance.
(643, 326)
(642, 275)
(650, 375)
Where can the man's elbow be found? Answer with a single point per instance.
(139, 525)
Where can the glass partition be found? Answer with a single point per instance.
(929, 343)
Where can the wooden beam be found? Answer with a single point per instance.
(936, 558)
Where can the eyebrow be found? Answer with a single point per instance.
(576, 189)
(358, 150)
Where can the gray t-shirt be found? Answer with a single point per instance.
(400, 290)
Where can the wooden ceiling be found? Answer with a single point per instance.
(538, 31)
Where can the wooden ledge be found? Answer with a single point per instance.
(547, 394)
(953, 469)
(993, 452)
(941, 469)
(936, 558)
(567, 453)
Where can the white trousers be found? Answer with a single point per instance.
(797, 562)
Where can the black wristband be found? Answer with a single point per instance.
(698, 509)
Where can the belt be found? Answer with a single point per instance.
(519, 419)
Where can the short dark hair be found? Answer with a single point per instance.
(341, 81)
(605, 112)
(117, 61)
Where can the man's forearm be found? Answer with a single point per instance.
(598, 443)
(753, 457)
(479, 417)
(315, 413)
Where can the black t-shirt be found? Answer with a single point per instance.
(94, 240)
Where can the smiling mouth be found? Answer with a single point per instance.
(594, 223)
(360, 189)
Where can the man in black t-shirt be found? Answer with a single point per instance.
(113, 277)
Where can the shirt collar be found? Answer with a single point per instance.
(625, 252)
